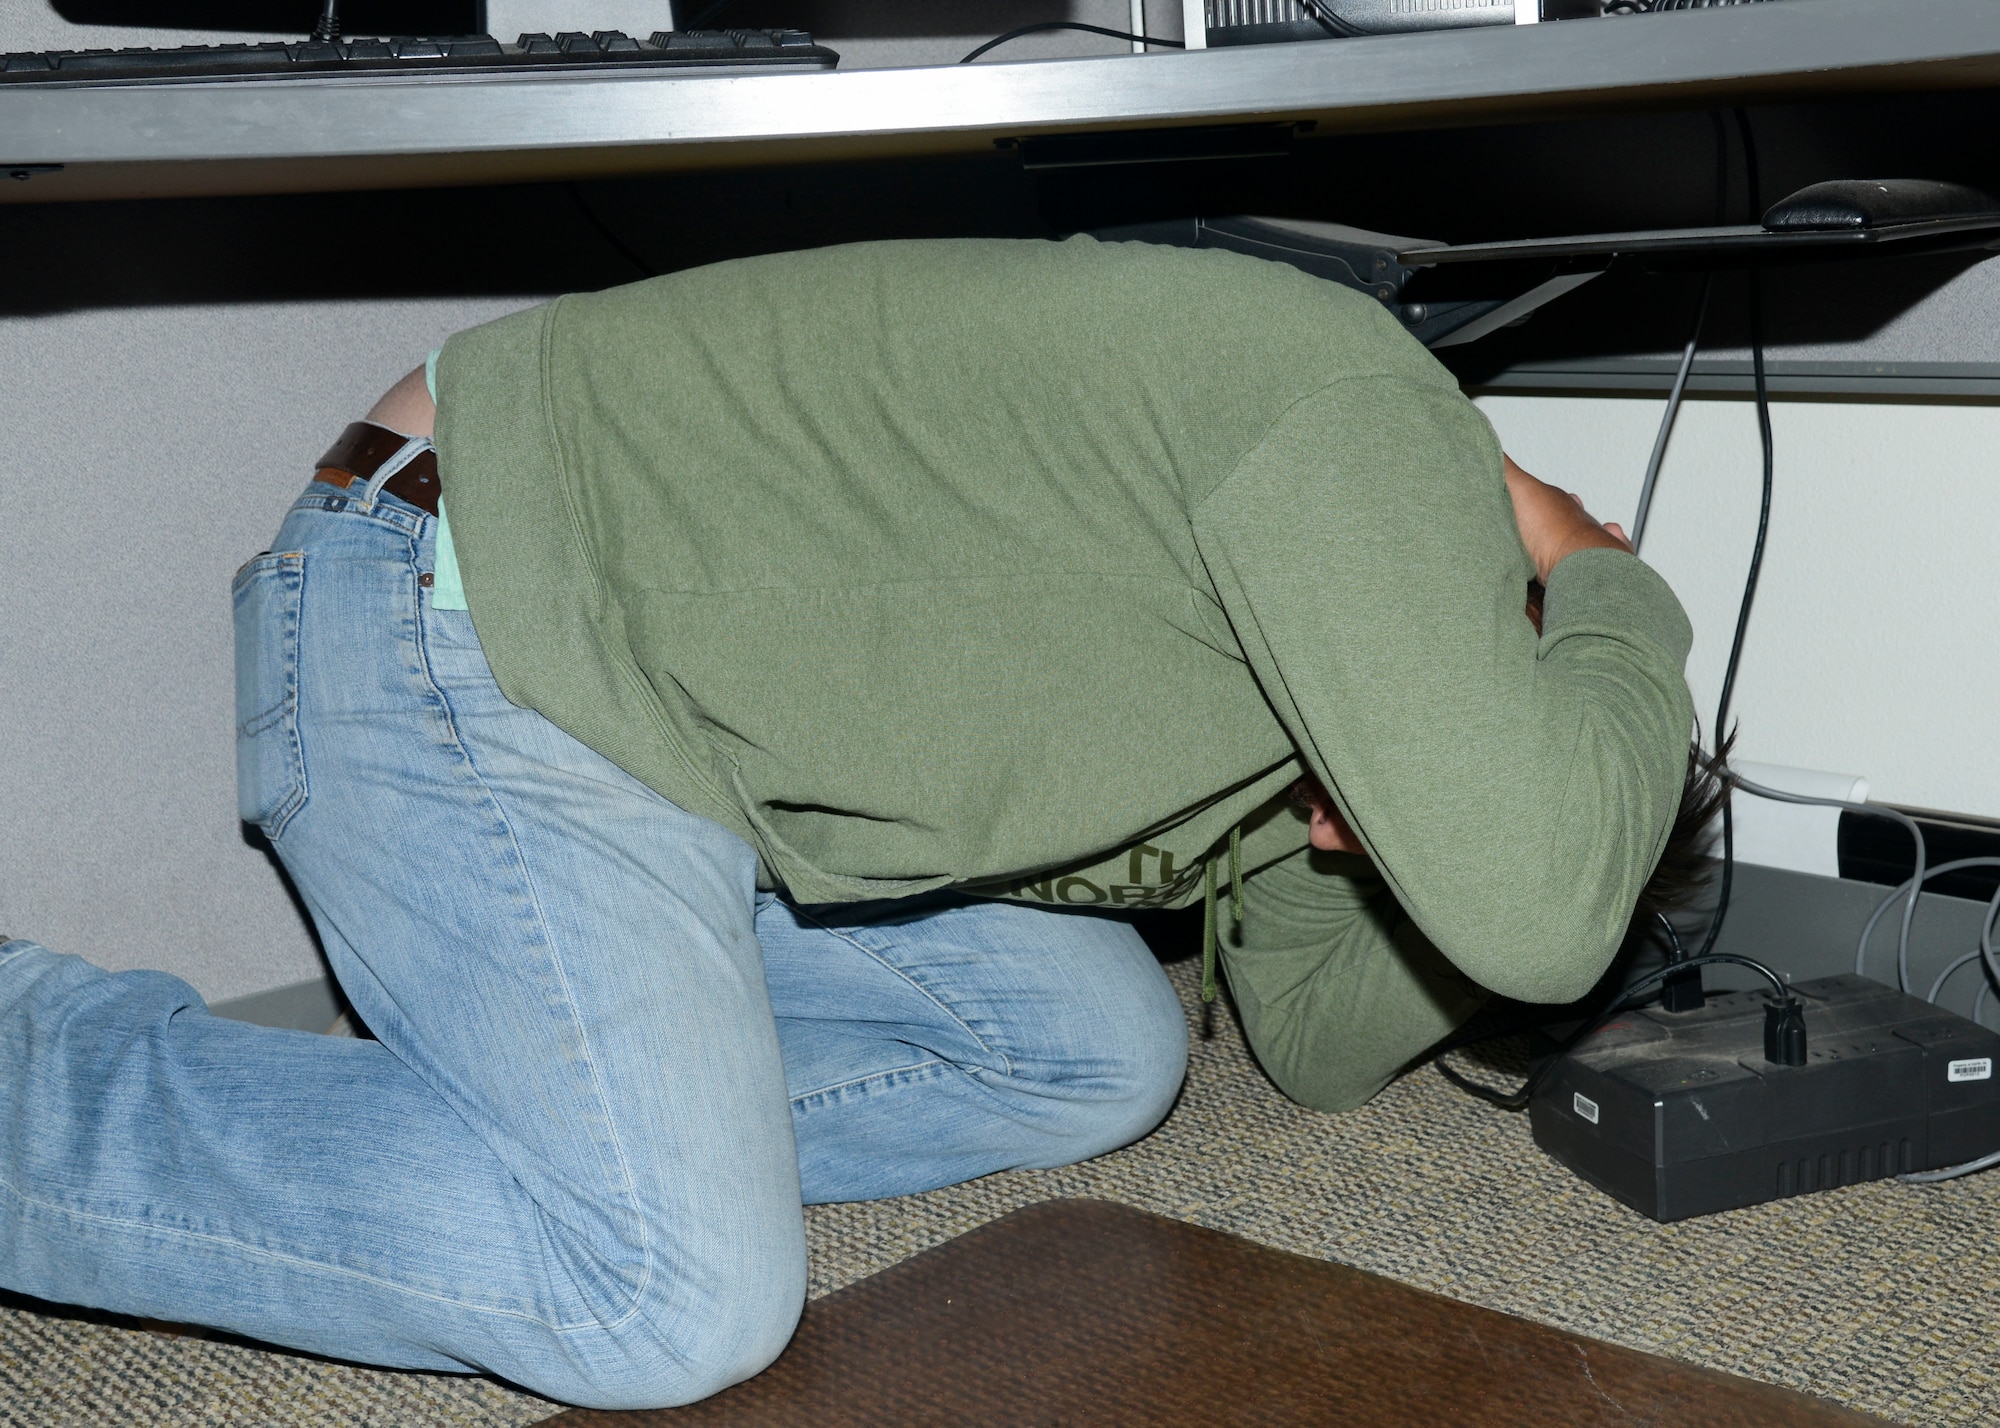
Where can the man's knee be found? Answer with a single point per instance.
(677, 1346)
(1154, 1057)
(1128, 1082)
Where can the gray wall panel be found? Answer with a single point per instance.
(149, 452)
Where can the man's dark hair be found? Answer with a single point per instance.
(1687, 863)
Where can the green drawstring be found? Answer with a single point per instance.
(1236, 873)
(1208, 939)
(1208, 930)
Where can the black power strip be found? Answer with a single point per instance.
(1680, 1114)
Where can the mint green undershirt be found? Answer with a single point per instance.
(447, 589)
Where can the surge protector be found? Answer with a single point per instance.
(1679, 1114)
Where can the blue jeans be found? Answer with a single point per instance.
(609, 1069)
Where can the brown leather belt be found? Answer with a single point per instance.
(361, 452)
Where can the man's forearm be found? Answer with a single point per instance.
(1337, 989)
(1554, 524)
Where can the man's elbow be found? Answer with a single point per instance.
(1329, 1086)
(1337, 1051)
(1550, 970)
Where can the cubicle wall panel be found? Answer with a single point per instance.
(149, 452)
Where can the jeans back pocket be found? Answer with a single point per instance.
(270, 765)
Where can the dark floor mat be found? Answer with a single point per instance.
(1080, 1312)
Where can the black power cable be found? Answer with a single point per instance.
(1684, 993)
(1679, 963)
(1324, 16)
(1517, 1099)
(1016, 34)
(1763, 529)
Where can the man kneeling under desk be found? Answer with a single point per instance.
(857, 632)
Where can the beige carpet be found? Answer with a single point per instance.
(1882, 1297)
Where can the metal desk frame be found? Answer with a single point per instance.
(311, 134)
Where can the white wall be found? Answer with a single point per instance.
(1874, 647)
(148, 453)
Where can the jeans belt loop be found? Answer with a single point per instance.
(404, 466)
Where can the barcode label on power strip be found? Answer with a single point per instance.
(1979, 1068)
(1587, 1108)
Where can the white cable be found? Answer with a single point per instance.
(1667, 419)
(1878, 811)
(1951, 1172)
(1973, 956)
(1986, 952)
(1986, 947)
(1868, 929)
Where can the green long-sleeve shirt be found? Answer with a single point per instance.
(1034, 568)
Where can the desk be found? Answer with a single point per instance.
(290, 135)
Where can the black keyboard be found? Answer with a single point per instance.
(452, 57)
